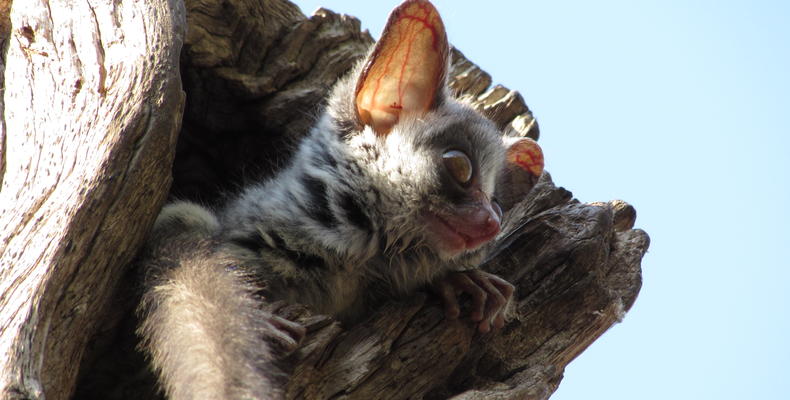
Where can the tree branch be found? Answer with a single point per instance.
(91, 115)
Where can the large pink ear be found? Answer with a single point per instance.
(527, 155)
(523, 167)
(407, 68)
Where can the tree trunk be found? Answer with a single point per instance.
(91, 110)
(90, 117)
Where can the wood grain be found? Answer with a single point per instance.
(89, 126)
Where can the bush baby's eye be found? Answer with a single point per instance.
(459, 165)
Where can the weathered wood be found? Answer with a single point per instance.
(255, 74)
(91, 107)
(577, 273)
(576, 266)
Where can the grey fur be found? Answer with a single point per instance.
(202, 320)
(339, 225)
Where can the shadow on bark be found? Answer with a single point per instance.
(255, 73)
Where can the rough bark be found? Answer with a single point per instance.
(91, 109)
(255, 73)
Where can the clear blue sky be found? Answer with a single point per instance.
(681, 108)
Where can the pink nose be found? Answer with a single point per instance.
(486, 216)
(485, 220)
(478, 222)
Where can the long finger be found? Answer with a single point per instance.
(446, 292)
(496, 299)
(507, 290)
(463, 282)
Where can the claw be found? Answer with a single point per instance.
(285, 334)
(490, 297)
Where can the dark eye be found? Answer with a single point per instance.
(459, 165)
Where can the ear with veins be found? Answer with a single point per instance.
(407, 68)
